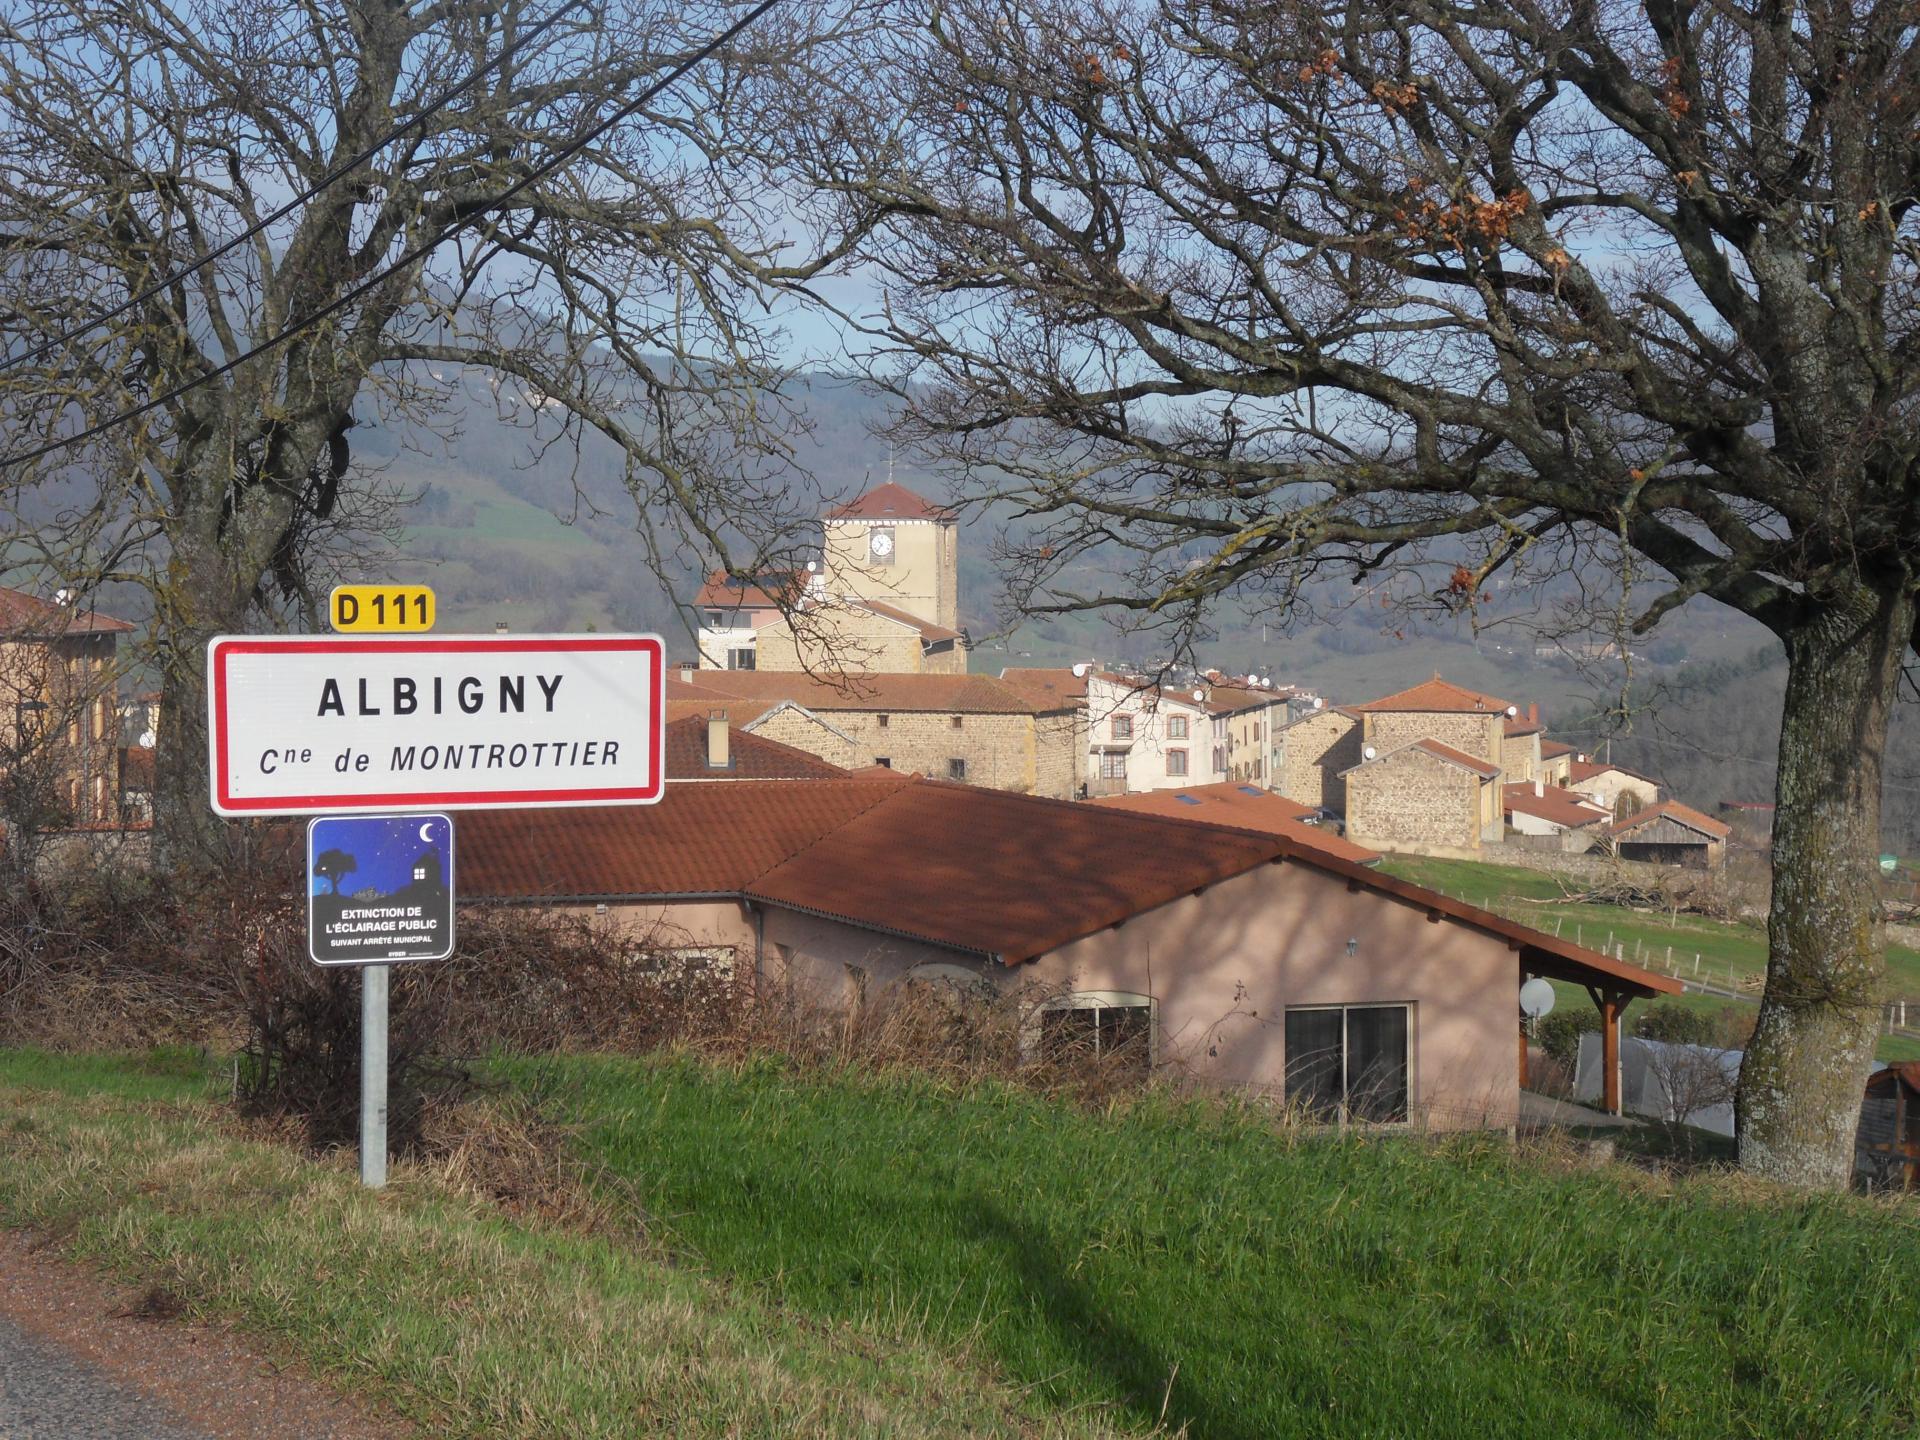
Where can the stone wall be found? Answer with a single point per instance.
(1413, 801)
(795, 727)
(1059, 742)
(831, 637)
(1313, 752)
(1475, 735)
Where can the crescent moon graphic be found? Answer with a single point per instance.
(426, 830)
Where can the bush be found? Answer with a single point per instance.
(1559, 1034)
(1676, 1025)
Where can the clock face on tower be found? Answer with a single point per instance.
(880, 544)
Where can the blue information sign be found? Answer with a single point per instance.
(379, 888)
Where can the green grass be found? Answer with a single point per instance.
(1724, 948)
(430, 1300)
(1190, 1259)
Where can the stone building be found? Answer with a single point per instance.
(884, 597)
(971, 728)
(1313, 754)
(59, 715)
(1424, 797)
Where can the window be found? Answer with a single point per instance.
(1349, 1062)
(881, 721)
(716, 620)
(1108, 1027)
(956, 769)
(1176, 727)
(1221, 730)
(958, 722)
(1176, 762)
(1113, 765)
(1123, 727)
(885, 762)
(741, 658)
(1219, 759)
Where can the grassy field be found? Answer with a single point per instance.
(1192, 1263)
(831, 1253)
(429, 1298)
(1728, 953)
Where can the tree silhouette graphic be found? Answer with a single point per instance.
(335, 865)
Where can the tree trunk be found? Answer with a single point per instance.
(1801, 1082)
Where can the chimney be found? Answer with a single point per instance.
(1533, 712)
(1539, 788)
(718, 757)
(687, 668)
(499, 627)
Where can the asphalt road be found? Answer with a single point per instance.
(47, 1393)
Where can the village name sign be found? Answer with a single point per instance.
(336, 724)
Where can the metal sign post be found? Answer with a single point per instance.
(343, 725)
(373, 1075)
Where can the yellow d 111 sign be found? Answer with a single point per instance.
(384, 609)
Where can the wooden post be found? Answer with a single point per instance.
(1610, 1009)
(1523, 1052)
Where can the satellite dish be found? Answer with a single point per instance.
(147, 739)
(1266, 682)
(1253, 679)
(1199, 695)
(1536, 998)
(1367, 752)
(62, 596)
(1318, 703)
(1512, 711)
(1080, 671)
(812, 565)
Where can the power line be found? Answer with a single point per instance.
(332, 177)
(426, 247)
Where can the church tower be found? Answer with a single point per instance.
(896, 548)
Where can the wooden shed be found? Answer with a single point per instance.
(1886, 1151)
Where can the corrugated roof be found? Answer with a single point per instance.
(1672, 810)
(28, 616)
(889, 501)
(1241, 807)
(1438, 695)
(964, 694)
(1559, 806)
(749, 756)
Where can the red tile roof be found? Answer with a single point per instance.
(1059, 688)
(723, 592)
(1241, 807)
(1583, 769)
(1485, 769)
(1553, 749)
(1671, 810)
(965, 694)
(1438, 695)
(1562, 807)
(929, 631)
(699, 840)
(889, 502)
(28, 616)
(749, 756)
(955, 865)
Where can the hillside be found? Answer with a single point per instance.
(784, 1250)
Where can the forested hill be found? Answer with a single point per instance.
(508, 534)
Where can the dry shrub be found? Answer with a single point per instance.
(507, 1152)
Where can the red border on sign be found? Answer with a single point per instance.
(224, 802)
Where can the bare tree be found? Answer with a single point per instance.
(1246, 291)
(626, 293)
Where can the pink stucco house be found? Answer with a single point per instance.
(1249, 960)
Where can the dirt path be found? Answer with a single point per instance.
(82, 1358)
